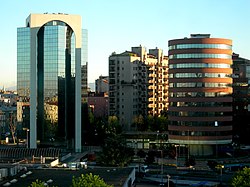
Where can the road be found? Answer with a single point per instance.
(188, 176)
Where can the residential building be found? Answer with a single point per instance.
(8, 115)
(98, 103)
(102, 84)
(200, 93)
(137, 84)
(50, 54)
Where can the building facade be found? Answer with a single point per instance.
(49, 61)
(84, 66)
(98, 104)
(200, 93)
(241, 100)
(137, 86)
(102, 84)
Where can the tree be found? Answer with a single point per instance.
(115, 152)
(162, 123)
(89, 180)
(113, 126)
(150, 120)
(38, 183)
(138, 122)
(13, 125)
(241, 178)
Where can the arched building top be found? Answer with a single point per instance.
(74, 21)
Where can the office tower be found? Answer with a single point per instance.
(241, 79)
(84, 67)
(200, 93)
(49, 61)
(137, 86)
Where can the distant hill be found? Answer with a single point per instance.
(92, 86)
(13, 88)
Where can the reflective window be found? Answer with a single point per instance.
(200, 46)
(199, 75)
(200, 55)
(198, 65)
(23, 62)
(198, 114)
(198, 85)
(198, 94)
(200, 104)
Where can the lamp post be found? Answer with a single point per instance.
(221, 171)
(216, 146)
(27, 136)
(157, 140)
(176, 154)
(168, 176)
(161, 166)
(188, 145)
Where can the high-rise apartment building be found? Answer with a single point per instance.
(49, 59)
(137, 84)
(200, 93)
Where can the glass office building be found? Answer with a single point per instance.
(49, 61)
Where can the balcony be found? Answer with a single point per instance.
(126, 83)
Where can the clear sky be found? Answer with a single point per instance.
(118, 25)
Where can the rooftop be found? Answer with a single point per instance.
(63, 177)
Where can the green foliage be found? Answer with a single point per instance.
(115, 152)
(242, 178)
(50, 128)
(139, 123)
(91, 118)
(152, 123)
(88, 180)
(37, 183)
(113, 128)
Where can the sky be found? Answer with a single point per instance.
(116, 26)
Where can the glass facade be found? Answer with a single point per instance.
(198, 75)
(199, 55)
(84, 65)
(198, 85)
(56, 75)
(23, 65)
(200, 46)
(198, 65)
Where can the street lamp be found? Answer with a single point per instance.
(188, 145)
(161, 166)
(176, 154)
(216, 146)
(157, 142)
(27, 136)
(221, 170)
(168, 176)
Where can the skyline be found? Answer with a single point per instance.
(117, 26)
